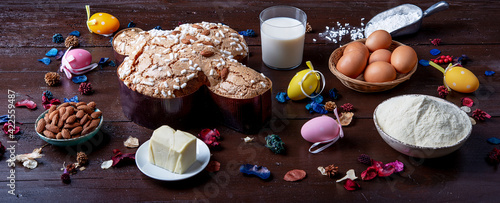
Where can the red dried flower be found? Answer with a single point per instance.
(26, 103)
(213, 166)
(365, 159)
(479, 114)
(436, 41)
(386, 170)
(347, 107)
(351, 185)
(467, 102)
(443, 91)
(65, 177)
(369, 173)
(494, 156)
(71, 168)
(48, 103)
(85, 88)
(121, 158)
(115, 151)
(8, 127)
(294, 175)
(210, 137)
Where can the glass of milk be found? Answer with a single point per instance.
(282, 32)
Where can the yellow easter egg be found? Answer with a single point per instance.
(103, 24)
(461, 80)
(309, 85)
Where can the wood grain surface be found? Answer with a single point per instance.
(467, 27)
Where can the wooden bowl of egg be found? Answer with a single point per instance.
(373, 64)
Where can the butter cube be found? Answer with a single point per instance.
(172, 150)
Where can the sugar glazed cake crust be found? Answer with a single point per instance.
(175, 63)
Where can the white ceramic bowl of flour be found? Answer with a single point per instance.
(422, 126)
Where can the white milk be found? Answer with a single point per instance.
(282, 40)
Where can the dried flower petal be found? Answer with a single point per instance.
(282, 97)
(443, 91)
(73, 99)
(210, 137)
(351, 185)
(386, 170)
(45, 60)
(131, 24)
(107, 164)
(26, 103)
(489, 72)
(248, 33)
(369, 173)
(491, 140)
(9, 129)
(213, 166)
(333, 93)
(435, 52)
(478, 114)
(436, 41)
(65, 178)
(466, 109)
(30, 163)
(248, 139)
(52, 52)
(295, 175)
(316, 107)
(275, 144)
(122, 158)
(82, 159)
(79, 79)
(59, 55)
(330, 106)
(350, 174)
(309, 27)
(75, 33)
(322, 170)
(259, 171)
(85, 88)
(467, 102)
(131, 142)
(346, 118)
(71, 168)
(57, 38)
(472, 121)
(493, 156)
(398, 166)
(347, 107)
(365, 159)
(423, 62)
(331, 170)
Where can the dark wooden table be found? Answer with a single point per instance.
(467, 27)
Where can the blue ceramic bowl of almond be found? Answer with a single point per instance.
(69, 123)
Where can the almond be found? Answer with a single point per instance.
(96, 114)
(70, 110)
(80, 103)
(205, 32)
(52, 114)
(189, 37)
(62, 120)
(52, 109)
(175, 32)
(63, 105)
(76, 130)
(207, 53)
(197, 27)
(59, 136)
(62, 111)
(46, 118)
(84, 119)
(71, 126)
(207, 43)
(85, 108)
(49, 134)
(40, 126)
(185, 41)
(80, 114)
(71, 119)
(52, 128)
(72, 103)
(92, 104)
(55, 119)
(65, 134)
(223, 73)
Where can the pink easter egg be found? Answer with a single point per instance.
(320, 129)
(78, 58)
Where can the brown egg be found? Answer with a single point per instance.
(380, 55)
(379, 39)
(356, 46)
(404, 59)
(379, 71)
(352, 64)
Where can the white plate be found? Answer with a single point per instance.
(153, 171)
